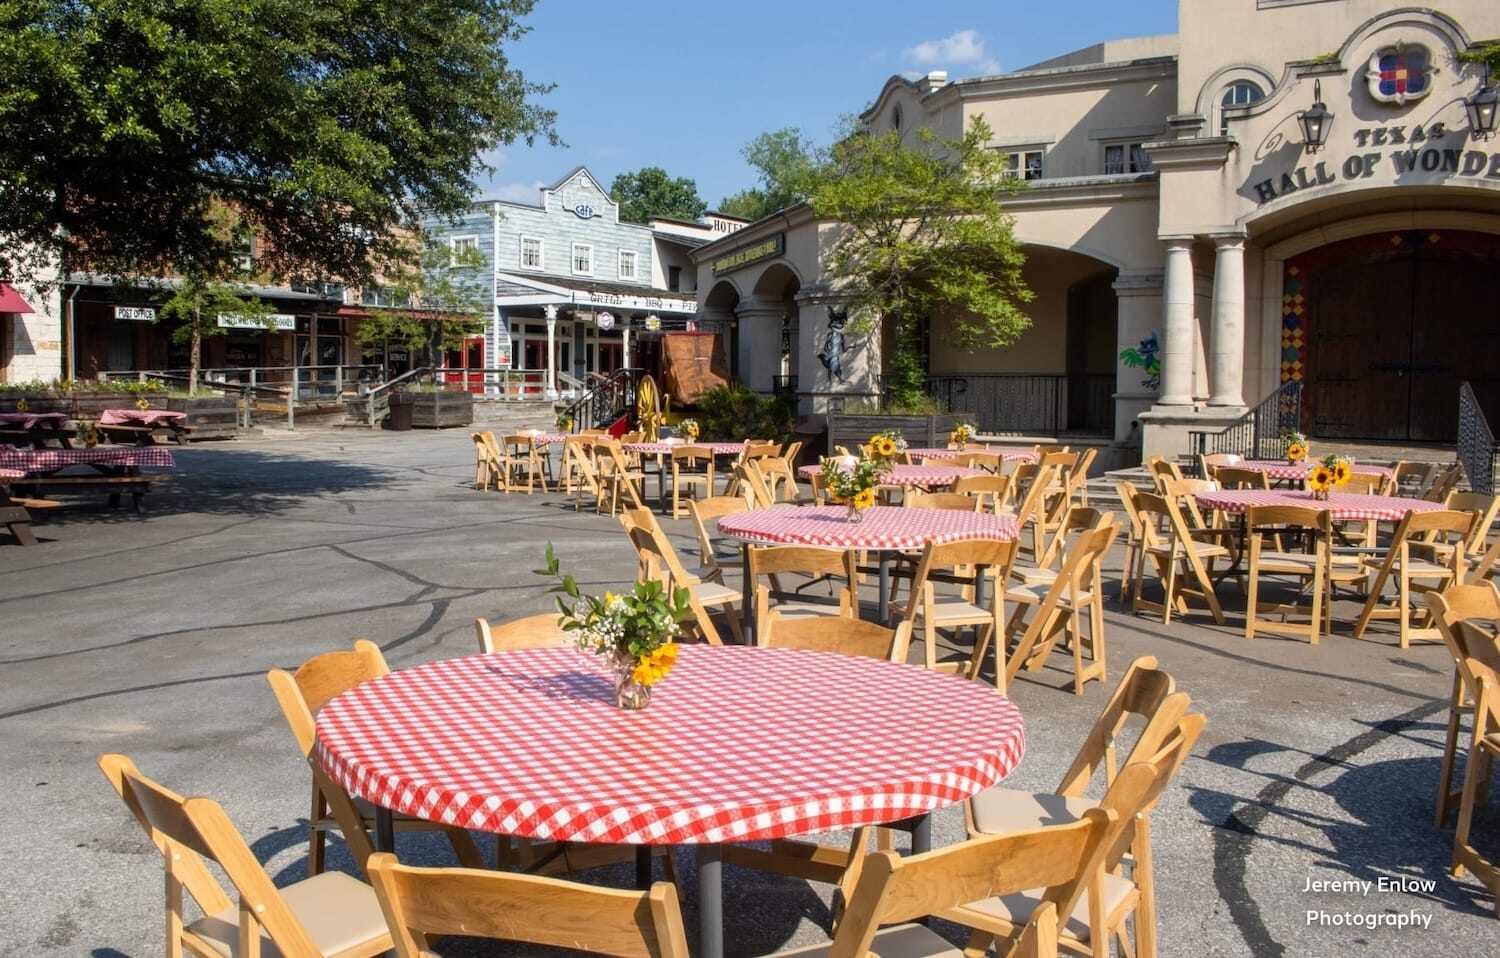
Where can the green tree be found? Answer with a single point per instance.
(1488, 54)
(196, 305)
(924, 235)
(651, 191)
(327, 125)
(446, 302)
(786, 162)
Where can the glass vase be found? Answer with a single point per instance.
(630, 695)
(855, 515)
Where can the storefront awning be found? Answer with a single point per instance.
(514, 289)
(11, 301)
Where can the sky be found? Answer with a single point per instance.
(685, 85)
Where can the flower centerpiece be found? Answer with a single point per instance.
(886, 446)
(689, 428)
(635, 632)
(1330, 474)
(564, 422)
(961, 436)
(1296, 446)
(143, 404)
(853, 485)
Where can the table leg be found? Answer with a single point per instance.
(385, 830)
(747, 596)
(921, 834)
(883, 603)
(710, 901)
(643, 867)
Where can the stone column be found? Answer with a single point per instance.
(624, 343)
(1138, 296)
(1226, 376)
(551, 352)
(1177, 340)
(760, 344)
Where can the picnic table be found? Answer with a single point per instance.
(884, 530)
(36, 428)
(530, 743)
(116, 469)
(14, 513)
(142, 426)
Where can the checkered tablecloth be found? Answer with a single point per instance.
(1281, 469)
(1339, 505)
(139, 417)
(739, 744)
(948, 455)
(883, 527)
(544, 439)
(665, 448)
(29, 420)
(12, 474)
(919, 477)
(51, 460)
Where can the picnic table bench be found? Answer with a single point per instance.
(116, 470)
(143, 427)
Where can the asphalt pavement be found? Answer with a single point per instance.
(151, 635)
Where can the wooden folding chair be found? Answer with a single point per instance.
(659, 559)
(329, 915)
(1411, 478)
(301, 694)
(773, 562)
(1445, 482)
(616, 476)
(1233, 477)
(692, 468)
(959, 562)
(578, 474)
(486, 467)
(1309, 568)
(711, 557)
(1177, 547)
(988, 461)
(1483, 669)
(526, 465)
(420, 904)
(751, 479)
(1111, 898)
(844, 635)
(1135, 552)
(1162, 470)
(532, 632)
(1078, 479)
(1413, 575)
(960, 501)
(1057, 608)
(993, 491)
(1485, 509)
(1031, 510)
(1458, 603)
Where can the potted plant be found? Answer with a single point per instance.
(634, 633)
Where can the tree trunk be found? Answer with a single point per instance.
(195, 354)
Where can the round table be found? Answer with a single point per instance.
(948, 455)
(1340, 505)
(915, 477)
(1282, 470)
(739, 744)
(885, 529)
(665, 448)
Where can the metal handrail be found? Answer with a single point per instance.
(1258, 433)
(1476, 442)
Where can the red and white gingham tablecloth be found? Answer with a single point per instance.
(1281, 469)
(139, 417)
(12, 474)
(1339, 505)
(920, 477)
(51, 460)
(544, 439)
(29, 420)
(948, 455)
(665, 448)
(883, 527)
(739, 744)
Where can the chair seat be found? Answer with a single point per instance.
(1034, 593)
(712, 593)
(339, 912)
(805, 609)
(1204, 550)
(1417, 568)
(897, 941)
(1030, 575)
(999, 811)
(1297, 562)
(953, 608)
(1017, 908)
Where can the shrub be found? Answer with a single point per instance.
(732, 413)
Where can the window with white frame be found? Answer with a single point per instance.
(533, 253)
(1024, 164)
(627, 264)
(1126, 158)
(1238, 93)
(583, 259)
(463, 247)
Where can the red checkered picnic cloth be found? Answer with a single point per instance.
(51, 460)
(27, 420)
(883, 527)
(739, 744)
(12, 474)
(665, 448)
(139, 417)
(1339, 505)
(920, 477)
(544, 439)
(1279, 469)
(947, 455)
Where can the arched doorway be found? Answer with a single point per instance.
(1382, 328)
(776, 292)
(719, 308)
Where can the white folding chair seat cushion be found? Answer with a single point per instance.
(999, 811)
(338, 911)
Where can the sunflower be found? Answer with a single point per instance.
(1320, 479)
(1297, 451)
(884, 446)
(654, 666)
(143, 403)
(864, 499)
(1341, 472)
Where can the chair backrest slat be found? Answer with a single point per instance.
(846, 636)
(532, 632)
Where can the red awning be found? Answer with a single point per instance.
(11, 301)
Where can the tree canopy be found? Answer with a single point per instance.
(446, 295)
(651, 191)
(326, 126)
(786, 162)
(924, 235)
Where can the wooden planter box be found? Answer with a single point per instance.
(211, 417)
(38, 403)
(90, 405)
(923, 431)
(438, 410)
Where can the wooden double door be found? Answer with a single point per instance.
(1394, 323)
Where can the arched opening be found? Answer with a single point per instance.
(775, 293)
(719, 309)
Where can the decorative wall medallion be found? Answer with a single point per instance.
(1400, 74)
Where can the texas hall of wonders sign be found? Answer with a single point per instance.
(1395, 151)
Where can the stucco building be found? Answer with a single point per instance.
(1174, 207)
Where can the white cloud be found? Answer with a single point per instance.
(517, 192)
(966, 48)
